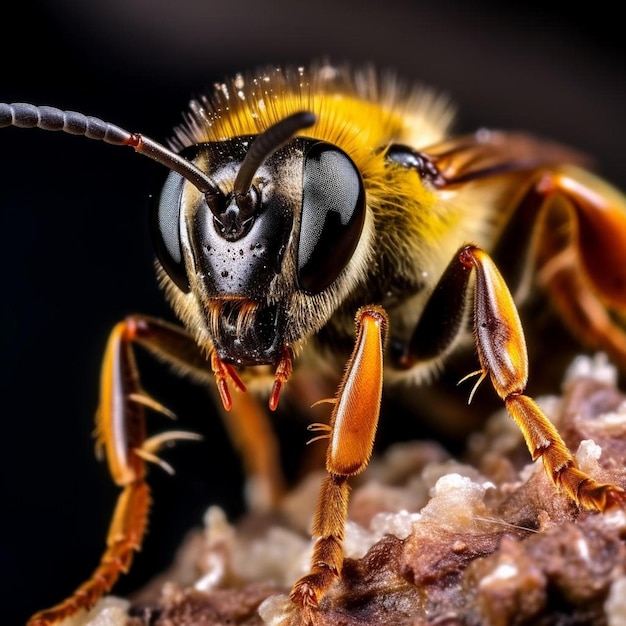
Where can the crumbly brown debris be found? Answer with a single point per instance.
(481, 541)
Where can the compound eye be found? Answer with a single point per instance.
(165, 227)
(333, 212)
(411, 159)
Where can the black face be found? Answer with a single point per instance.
(306, 200)
(237, 246)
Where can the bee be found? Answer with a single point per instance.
(327, 216)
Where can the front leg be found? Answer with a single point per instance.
(351, 432)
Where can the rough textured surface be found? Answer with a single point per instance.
(431, 540)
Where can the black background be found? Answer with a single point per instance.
(75, 255)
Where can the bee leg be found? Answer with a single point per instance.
(121, 431)
(352, 429)
(502, 354)
(252, 435)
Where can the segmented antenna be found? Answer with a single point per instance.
(25, 115)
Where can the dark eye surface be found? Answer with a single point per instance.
(165, 227)
(411, 159)
(333, 212)
(165, 222)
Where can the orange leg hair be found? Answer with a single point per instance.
(351, 434)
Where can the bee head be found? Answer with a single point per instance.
(250, 252)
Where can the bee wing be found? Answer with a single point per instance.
(488, 153)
